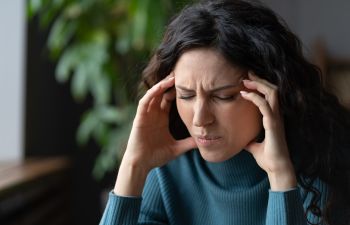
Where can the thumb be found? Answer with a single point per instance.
(185, 145)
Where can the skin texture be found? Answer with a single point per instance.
(232, 117)
(208, 99)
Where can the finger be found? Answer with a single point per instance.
(154, 103)
(184, 145)
(254, 77)
(153, 92)
(167, 99)
(268, 90)
(260, 84)
(158, 101)
(261, 103)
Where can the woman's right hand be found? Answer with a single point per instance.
(150, 143)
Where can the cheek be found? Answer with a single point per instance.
(252, 122)
(246, 121)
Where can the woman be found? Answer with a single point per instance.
(235, 128)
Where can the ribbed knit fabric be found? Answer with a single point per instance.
(191, 191)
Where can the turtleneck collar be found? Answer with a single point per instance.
(240, 171)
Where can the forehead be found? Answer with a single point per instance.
(205, 65)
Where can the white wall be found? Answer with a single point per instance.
(12, 30)
(313, 19)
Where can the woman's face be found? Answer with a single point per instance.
(209, 103)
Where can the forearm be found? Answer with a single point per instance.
(284, 205)
(131, 179)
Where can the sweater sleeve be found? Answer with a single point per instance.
(147, 210)
(121, 210)
(287, 208)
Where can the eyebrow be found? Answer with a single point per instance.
(213, 90)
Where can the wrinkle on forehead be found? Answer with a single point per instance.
(205, 69)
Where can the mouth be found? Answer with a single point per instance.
(206, 140)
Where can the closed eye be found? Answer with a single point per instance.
(222, 98)
(226, 98)
(186, 97)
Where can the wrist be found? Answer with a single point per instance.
(131, 179)
(282, 180)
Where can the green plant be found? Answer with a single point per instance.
(97, 45)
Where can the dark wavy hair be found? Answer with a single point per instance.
(252, 36)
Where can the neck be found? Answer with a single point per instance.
(240, 171)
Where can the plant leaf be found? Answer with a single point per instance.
(79, 86)
(86, 127)
(60, 34)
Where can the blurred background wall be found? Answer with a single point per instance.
(318, 19)
(12, 71)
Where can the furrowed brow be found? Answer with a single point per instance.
(212, 90)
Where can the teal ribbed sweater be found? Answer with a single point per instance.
(191, 191)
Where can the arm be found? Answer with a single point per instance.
(150, 145)
(289, 207)
(121, 210)
(285, 205)
(148, 209)
(272, 154)
(285, 208)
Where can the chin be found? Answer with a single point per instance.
(216, 156)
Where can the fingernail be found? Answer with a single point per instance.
(246, 81)
(243, 92)
(169, 75)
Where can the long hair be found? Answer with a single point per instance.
(253, 37)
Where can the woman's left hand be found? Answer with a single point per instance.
(272, 153)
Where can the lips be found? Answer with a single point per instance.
(207, 140)
(207, 137)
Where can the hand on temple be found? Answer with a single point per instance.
(272, 154)
(150, 143)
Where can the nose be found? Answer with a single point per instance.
(202, 114)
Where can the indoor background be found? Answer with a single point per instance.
(68, 81)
